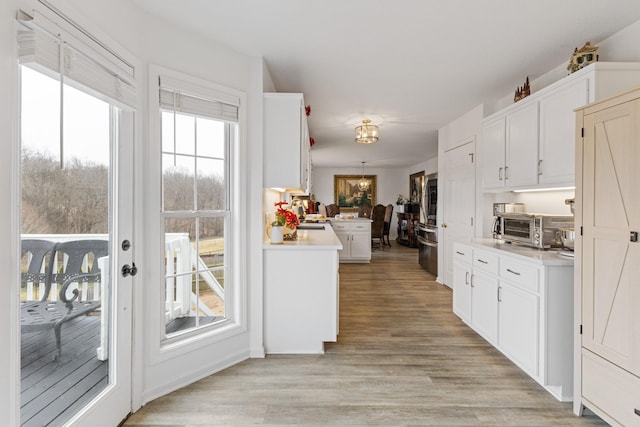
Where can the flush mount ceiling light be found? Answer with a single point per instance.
(367, 133)
(363, 184)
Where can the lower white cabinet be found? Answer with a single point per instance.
(355, 236)
(522, 308)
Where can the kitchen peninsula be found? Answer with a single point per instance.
(301, 288)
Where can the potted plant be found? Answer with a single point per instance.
(287, 220)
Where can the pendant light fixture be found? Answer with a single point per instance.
(363, 184)
(367, 133)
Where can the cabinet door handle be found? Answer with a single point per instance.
(483, 261)
(513, 272)
(540, 167)
(506, 172)
(466, 277)
(637, 411)
(499, 294)
(460, 253)
(471, 280)
(500, 174)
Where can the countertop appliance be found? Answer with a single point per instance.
(500, 208)
(428, 248)
(531, 229)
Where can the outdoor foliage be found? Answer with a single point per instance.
(63, 201)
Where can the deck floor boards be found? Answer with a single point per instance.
(52, 391)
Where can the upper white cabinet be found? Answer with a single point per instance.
(286, 142)
(557, 131)
(531, 144)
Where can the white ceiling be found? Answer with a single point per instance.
(411, 66)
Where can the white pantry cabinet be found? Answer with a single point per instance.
(521, 306)
(355, 236)
(286, 142)
(530, 144)
(608, 259)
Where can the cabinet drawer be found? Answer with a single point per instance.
(360, 226)
(485, 261)
(340, 227)
(523, 275)
(462, 253)
(613, 391)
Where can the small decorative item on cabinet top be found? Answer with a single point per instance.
(523, 91)
(582, 57)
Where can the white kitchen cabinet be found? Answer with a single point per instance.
(538, 133)
(519, 326)
(462, 289)
(524, 308)
(557, 131)
(355, 236)
(286, 142)
(608, 259)
(484, 306)
(510, 149)
(493, 154)
(521, 165)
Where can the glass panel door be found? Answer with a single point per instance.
(70, 293)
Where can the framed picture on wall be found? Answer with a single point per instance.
(348, 196)
(416, 186)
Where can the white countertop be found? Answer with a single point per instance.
(309, 239)
(547, 257)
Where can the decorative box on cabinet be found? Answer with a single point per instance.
(522, 308)
(530, 144)
(286, 142)
(407, 225)
(607, 371)
(355, 236)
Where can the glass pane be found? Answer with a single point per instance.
(210, 142)
(211, 187)
(167, 135)
(194, 286)
(65, 248)
(211, 266)
(185, 134)
(177, 182)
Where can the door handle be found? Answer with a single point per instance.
(540, 167)
(499, 294)
(506, 172)
(633, 236)
(500, 174)
(129, 270)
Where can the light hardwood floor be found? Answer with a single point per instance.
(402, 358)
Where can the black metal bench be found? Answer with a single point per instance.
(65, 263)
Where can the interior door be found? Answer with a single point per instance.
(76, 187)
(459, 202)
(611, 214)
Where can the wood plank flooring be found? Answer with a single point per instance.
(402, 358)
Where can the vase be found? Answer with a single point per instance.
(276, 234)
(290, 233)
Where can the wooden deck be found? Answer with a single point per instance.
(53, 391)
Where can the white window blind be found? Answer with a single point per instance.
(208, 103)
(61, 48)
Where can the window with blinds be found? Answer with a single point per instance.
(199, 126)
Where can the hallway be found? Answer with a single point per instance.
(402, 358)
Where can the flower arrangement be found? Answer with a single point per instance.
(285, 217)
(401, 200)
